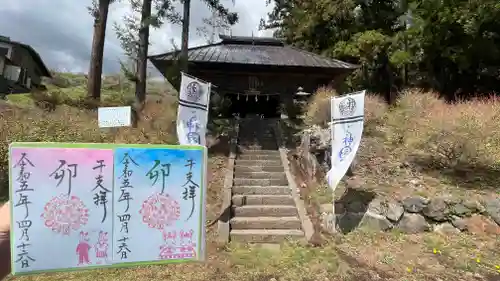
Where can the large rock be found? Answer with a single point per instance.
(462, 210)
(394, 211)
(437, 210)
(474, 206)
(446, 229)
(492, 207)
(459, 223)
(413, 223)
(375, 221)
(369, 220)
(377, 206)
(415, 204)
(321, 138)
(478, 224)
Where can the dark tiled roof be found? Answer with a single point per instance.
(257, 51)
(36, 57)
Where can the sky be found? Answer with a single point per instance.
(61, 30)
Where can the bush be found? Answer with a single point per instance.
(454, 135)
(318, 110)
(64, 123)
(463, 133)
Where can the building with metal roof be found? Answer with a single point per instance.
(21, 67)
(249, 69)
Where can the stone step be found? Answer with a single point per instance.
(256, 137)
(275, 157)
(265, 168)
(265, 223)
(260, 175)
(257, 199)
(256, 133)
(256, 146)
(259, 152)
(247, 163)
(265, 235)
(259, 144)
(265, 210)
(261, 190)
(259, 182)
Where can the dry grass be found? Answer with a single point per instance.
(425, 145)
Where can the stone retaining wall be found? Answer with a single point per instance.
(415, 214)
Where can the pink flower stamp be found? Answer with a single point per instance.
(63, 214)
(159, 211)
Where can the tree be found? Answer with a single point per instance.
(452, 46)
(134, 39)
(142, 56)
(99, 10)
(213, 25)
(218, 10)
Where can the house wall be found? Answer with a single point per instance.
(23, 58)
(8, 47)
(2, 64)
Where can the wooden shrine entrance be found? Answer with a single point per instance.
(267, 106)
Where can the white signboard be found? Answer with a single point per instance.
(114, 116)
(192, 115)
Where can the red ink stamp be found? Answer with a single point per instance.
(159, 211)
(101, 248)
(63, 214)
(82, 249)
(178, 245)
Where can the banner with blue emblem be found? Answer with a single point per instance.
(347, 119)
(192, 115)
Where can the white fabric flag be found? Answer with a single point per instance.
(192, 115)
(347, 119)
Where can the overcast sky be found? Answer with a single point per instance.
(61, 30)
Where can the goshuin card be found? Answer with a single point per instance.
(105, 205)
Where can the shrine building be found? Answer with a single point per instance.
(258, 75)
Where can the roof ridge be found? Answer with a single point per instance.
(189, 49)
(323, 56)
(258, 54)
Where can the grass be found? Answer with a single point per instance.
(424, 145)
(389, 163)
(360, 255)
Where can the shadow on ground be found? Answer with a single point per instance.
(350, 208)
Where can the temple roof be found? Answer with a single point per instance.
(255, 51)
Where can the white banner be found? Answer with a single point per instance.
(347, 115)
(192, 115)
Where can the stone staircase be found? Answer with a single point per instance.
(262, 204)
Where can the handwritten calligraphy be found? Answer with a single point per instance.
(100, 197)
(157, 169)
(60, 173)
(190, 187)
(125, 217)
(24, 164)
